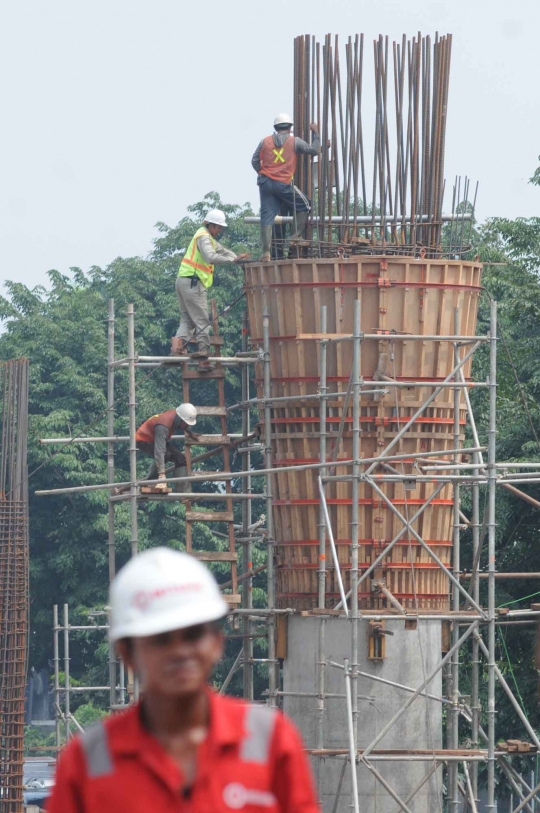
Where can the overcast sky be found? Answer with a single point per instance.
(117, 114)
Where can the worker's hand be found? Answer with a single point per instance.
(314, 127)
(328, 143)
(162, 485)
(193, 435)
(242, 257)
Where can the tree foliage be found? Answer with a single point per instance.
(62, 329)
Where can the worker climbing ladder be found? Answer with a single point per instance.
(223, 442)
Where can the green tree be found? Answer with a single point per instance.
(62, 329)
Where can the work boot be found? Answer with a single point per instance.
(205, 366)
(201, 353)
(301, 220)
(182, 471)
(178, 346)
(266, 243)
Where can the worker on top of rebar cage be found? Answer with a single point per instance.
(195, 276)
(183, 746)
(275, 162)
(153, 438)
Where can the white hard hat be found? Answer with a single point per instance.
(161, 590)
(217, 217)
(188, 413)
(282, 118)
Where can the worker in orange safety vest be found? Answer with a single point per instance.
(182, 747)
(275, 161)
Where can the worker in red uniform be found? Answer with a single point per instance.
(153, 440)
(183, 747)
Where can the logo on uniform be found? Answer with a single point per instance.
(237, 796)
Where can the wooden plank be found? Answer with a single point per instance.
(153, 490)
(209, 516)
(192, 375)
(214, 555)
(232, 599)
(208, 440)
(211, 410)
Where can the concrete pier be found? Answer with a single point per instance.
(411, 654)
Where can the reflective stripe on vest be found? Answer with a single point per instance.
(259, 724)
(96, 750)
(194, 263)
(278, 163)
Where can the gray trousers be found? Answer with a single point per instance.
(194, 319)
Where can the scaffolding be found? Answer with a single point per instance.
(471, 624)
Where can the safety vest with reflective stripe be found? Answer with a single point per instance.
(194, 263)
(146, 431)
(259, 725)
(278, 163)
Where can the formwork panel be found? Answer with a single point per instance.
(398, 296)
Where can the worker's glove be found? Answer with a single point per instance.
(193, 435)
(162, 485)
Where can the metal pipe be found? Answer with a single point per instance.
(384, 731)
(272, 671)
(428, 550)
(356, 381)
(333, 547)
(67, 712)
(454, 801)
(221, 476)
(472, 799)
(247, 545)
(322, 459)
(56, 661)
(368, 220)
(132, 430)
(321, 658)
(110, 479)
(491, 804)
(352, 738)
(397, 537)
(508, 691)
(424, 406)
(232, 670)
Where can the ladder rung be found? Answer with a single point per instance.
(208, 440)
(209, 516)
(190, 375)
(211, 410)
(214, 555)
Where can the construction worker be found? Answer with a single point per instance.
(153, 440)
(195, 276)
(182, 747)
(275, 162)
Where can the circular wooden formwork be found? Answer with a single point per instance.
(402, 295)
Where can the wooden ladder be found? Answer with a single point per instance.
(222, 440)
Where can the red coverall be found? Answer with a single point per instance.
(252, 760)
